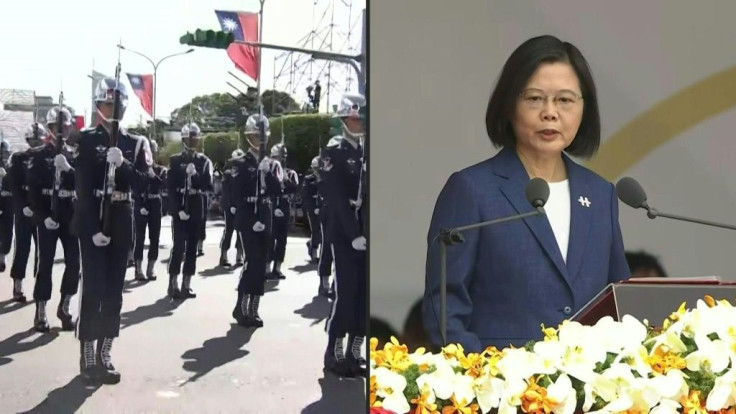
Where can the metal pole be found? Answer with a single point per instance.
(153, 125)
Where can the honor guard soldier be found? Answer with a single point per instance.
(148, 211)
(343, 187)
(6, 203)
(324, 269)
(189, 177)
(281, 210)
(110, 162)
(226, 203)
(25, 230)
(253, 183)
(311, 204)
(51, 196)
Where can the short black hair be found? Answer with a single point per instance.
(644, 260)
(517, 70)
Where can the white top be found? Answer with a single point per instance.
(558, 213)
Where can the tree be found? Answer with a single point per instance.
(276, 103)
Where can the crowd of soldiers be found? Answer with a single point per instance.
(100, 195)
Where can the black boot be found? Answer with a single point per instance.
(255, 319)
(186, 291)
(18, 295)
(223, 259)
(335, 360)
(240, 312)
(149, 271)
(355, 359)
(173, 290)
(239, 258)
(40, 322)
(139, 271)
(105, 370)
(87, 367)
(67, 323)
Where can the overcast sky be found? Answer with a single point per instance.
(49, 43)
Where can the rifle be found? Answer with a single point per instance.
(187, 177)
(57, 172)
(109, 181)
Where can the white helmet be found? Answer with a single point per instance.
(278, 150)
(35, 133)
(105, 91)
(191, 130)
(251, 125)
(351, 105)
(315, 162)
(238, 153)
(52, 117)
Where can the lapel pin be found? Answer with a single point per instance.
(584, 201)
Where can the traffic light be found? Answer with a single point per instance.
(208, 38)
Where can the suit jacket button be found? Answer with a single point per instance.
(567, 310)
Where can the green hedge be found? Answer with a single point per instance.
(303, 134)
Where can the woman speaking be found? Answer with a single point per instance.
(506, 280)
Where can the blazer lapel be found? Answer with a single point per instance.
(513, 189)
(580, 215)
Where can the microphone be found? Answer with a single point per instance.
(632, 194)
(537, 193)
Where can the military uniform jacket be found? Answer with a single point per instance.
(289, 186)
(227, 183)
(311, 198)
(41, 178)
(6, 196)
(247, 192)
(150, 189)
(200, 184)
(342, 174)
(15, 181)
(91, 169)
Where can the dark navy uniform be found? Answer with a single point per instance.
(282, 203)
(19, 164)
(311, 204)
(343, 189)
(226, 203)
(148, 212)
(251, 200)
(103, 267)
(41, 181)
(7, 210)
(187, 233)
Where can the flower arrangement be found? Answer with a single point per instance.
(688, 366)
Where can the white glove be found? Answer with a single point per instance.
(144, 212)
(191, 169)
(27, 212)
(359, 243)
(278, 213)
(3, 173)
(50, 224)
(265, 165)
(316, 211)
(150, 173)
(115, 156)
(233, 210)
(259, 227)
(100, 240)
(61, 163)
(1, 212)
(183, 216)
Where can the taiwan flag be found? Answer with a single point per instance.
(143, 88)
(244, 27)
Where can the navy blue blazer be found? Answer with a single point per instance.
(508, 279)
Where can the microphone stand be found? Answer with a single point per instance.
(453, 236)
(653, 213)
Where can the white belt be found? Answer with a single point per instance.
(190, 192)
(152, 196)
(115, 195)
(62, 193)
(5, 193)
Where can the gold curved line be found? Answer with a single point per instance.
(664, 121)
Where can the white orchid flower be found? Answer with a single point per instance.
(391, 390)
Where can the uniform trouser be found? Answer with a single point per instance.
(6, 225)
(349, 308)
(153, 222)
(253, 274)
(186, 238)
(314, 229)
(24, 232)
(47, 241)
(325, 254)
(227, 234)
(280, 231)
(103, 276)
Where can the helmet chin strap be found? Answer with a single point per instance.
(356, 136)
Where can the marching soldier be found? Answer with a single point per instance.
(189, 177)
(311, 204)
(18, 166)
(281, 210)
(51, 196)
(148, 210)
(105, 175)
(226, 203)
(325, 254)
(6, 204)
(253, 183)
(344, 190)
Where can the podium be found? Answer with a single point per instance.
(653, 299)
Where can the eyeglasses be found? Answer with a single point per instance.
(563, 100)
